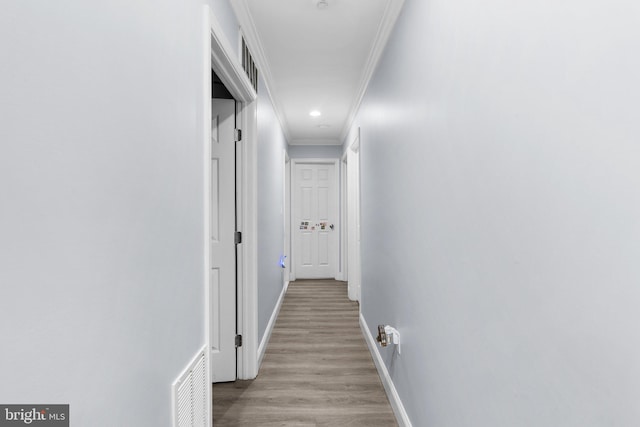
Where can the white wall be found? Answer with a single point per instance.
(271, 146)
(315, 151)
(228, 22)
(500, 175)
(101, 218)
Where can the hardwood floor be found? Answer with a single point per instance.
(317, 370)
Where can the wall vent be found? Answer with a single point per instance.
(190, 394)
(249, 65)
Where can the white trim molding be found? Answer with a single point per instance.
(272, 322)
(343, 274)
(353, 218)
(286, 273)
(394, 398)
(206, 156)
(248, 225)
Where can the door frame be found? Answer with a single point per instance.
(218, 54)
(287, 219)
(344, 230)
(351, 238)
(338, 226)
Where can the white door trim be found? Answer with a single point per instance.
(248, 250)
(353, 219)
(336, 171)
(287, 219)
(343, 273)
(223, 250)
(218, 54)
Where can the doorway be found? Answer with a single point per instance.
(314, 222)
(220, 56)
(222, 242)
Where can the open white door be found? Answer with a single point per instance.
(315, 220)
(222, 241)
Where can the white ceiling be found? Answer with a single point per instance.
(316, 59)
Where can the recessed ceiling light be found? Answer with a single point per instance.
(315, 113)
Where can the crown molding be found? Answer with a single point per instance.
(388, 21)
(252, 38)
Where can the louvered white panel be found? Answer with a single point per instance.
(184, 403)
(190, 395)
(199, 393)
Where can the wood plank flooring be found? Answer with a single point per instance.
(317, 369)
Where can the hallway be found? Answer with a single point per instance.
(317, 370)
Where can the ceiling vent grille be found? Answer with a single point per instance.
(249, 65)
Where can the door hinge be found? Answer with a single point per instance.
(238, 135)
(238, 340)
(238, 237)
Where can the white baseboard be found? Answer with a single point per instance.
(272, 321)
(387, 382)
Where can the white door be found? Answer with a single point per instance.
(315, 220)
(222, 242)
